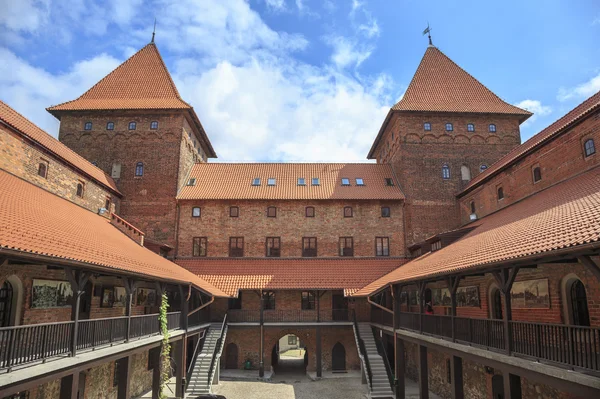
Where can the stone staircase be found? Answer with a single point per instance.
(202, 376)
(380, 385)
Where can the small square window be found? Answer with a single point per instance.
(154, 125)
(110, 126)
(345, 181)
(389, 181)
(132, 125)
(492, 128)
(234, 211)
(360, 182)
(470, 127)
(385, 212)
(315, 181)
(347, 211)
(449, 127)
(301, 181)
(88, 126)
(436, 245)
(271, 181)
(256, 181)
(310, 211)
(196, 212)
(271, 212)
(427, 126)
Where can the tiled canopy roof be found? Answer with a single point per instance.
(582, 110)
(18, 122)
(141, 82)
(35, 221)
(440, 85)
(234, 181)
(294, 274)
(562, 216)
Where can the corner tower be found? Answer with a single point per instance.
(135, 126)
(446, 129)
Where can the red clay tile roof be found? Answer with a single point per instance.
(18, 122)
(290, 274)
(440, 85)
(582, 110)
(35, 221)
(234, 181)
(562, 216)
(141, 82)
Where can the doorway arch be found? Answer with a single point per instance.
(231, 356)
(575, 303)
(289, 355)
(11, 301)
(338, 358)
(495, 302)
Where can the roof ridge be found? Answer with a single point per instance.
(167, 71)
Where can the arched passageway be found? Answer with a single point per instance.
(289, 356)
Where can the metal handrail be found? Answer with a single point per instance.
(362, 352)
(217, 346)
(388, 368)
(192, 364)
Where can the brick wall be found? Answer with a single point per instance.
(418, 156)
(291, 224)
(560, 159)
(20, 158)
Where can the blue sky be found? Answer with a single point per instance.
(300, 79)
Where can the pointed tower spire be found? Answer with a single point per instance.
(154, 32)
(428, 32)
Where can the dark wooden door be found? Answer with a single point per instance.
(498, 387)
(338, 357)
(6, 296)
(581, 315)
(231, 356)
(339, 305)
(497, 305)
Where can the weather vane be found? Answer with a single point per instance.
(428, 32)
(154, 31)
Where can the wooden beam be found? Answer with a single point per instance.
(124, 373)
(423, 373)
(456, 366)
(512, 386)
(319, 353)
(590, 265)
(69, 386)
(400, 368)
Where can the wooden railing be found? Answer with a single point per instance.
(21, 345)
(380, 316)
(290, 316)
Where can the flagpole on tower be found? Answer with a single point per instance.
(428, 32)
(154, 31)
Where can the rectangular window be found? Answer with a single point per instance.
(308, 300)
(235, 303)
(385, 212)
(273, 247)
(107, 204)
(199, 246)
(271, 212)
(292, 340)
(436, 245)
(309, 247)
(360, 182)
(301, 181)
(256, 181)
(43, 169)
(271, 181)
(345, 181)
(268, 300)
(236, 247)
(347, 211)
(234, 211)
(346, 246)
(196, 212)
(310, 211)
(315, 181)
(382, 246)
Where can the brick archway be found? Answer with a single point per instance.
(306, 336)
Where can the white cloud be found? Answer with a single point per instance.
(277, 5)
(536, 107)
(348, 52)
(581, 91)
(24, 15)
(370, 29)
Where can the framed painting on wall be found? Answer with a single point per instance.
(530, 294)
(146, 296)
(120, 297)
(51, 294)
(108, 297)
(468, 297)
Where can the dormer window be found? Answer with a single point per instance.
(315, 181)
(256, 181)
(449, 127)
(437, 245)
(192, 182)
(345, 181)
(301, 181)
(132, 125)
(470, 127)
(389, 181)
(492, 128)
(88, 126)
(359, 182)
(427, 126)
(154, 125)
(271, 181)
(482, 168)
(110, 126)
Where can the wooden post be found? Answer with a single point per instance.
(421, 286)
(456, 366)
(156, 376)
(452, 283)
(318, 294)
(69, 386)
(423, 373)
(124, 372)
(184, 308)
(180, 348)
(129, 290)
(398, 355)
(505, 279)
(319, 363)
(400, 369)
(261, 369)
(512, 386)
(78, 280)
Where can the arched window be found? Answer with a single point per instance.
(139, 169)
(492, 128)
(470, 127)
(6, 297)
(427, 126)
(472, 207)
(88, 126)
(579, 305)
(132, 125)
(496, 304)
(154, 125)
(537, 174)
(80, 190)
(500, 193)
(445, 172)
(110, 126)
(589, 147)
(43, 169)
(465, 173)
(449, 127)
(482, 168)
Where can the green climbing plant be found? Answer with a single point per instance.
(165, 366)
